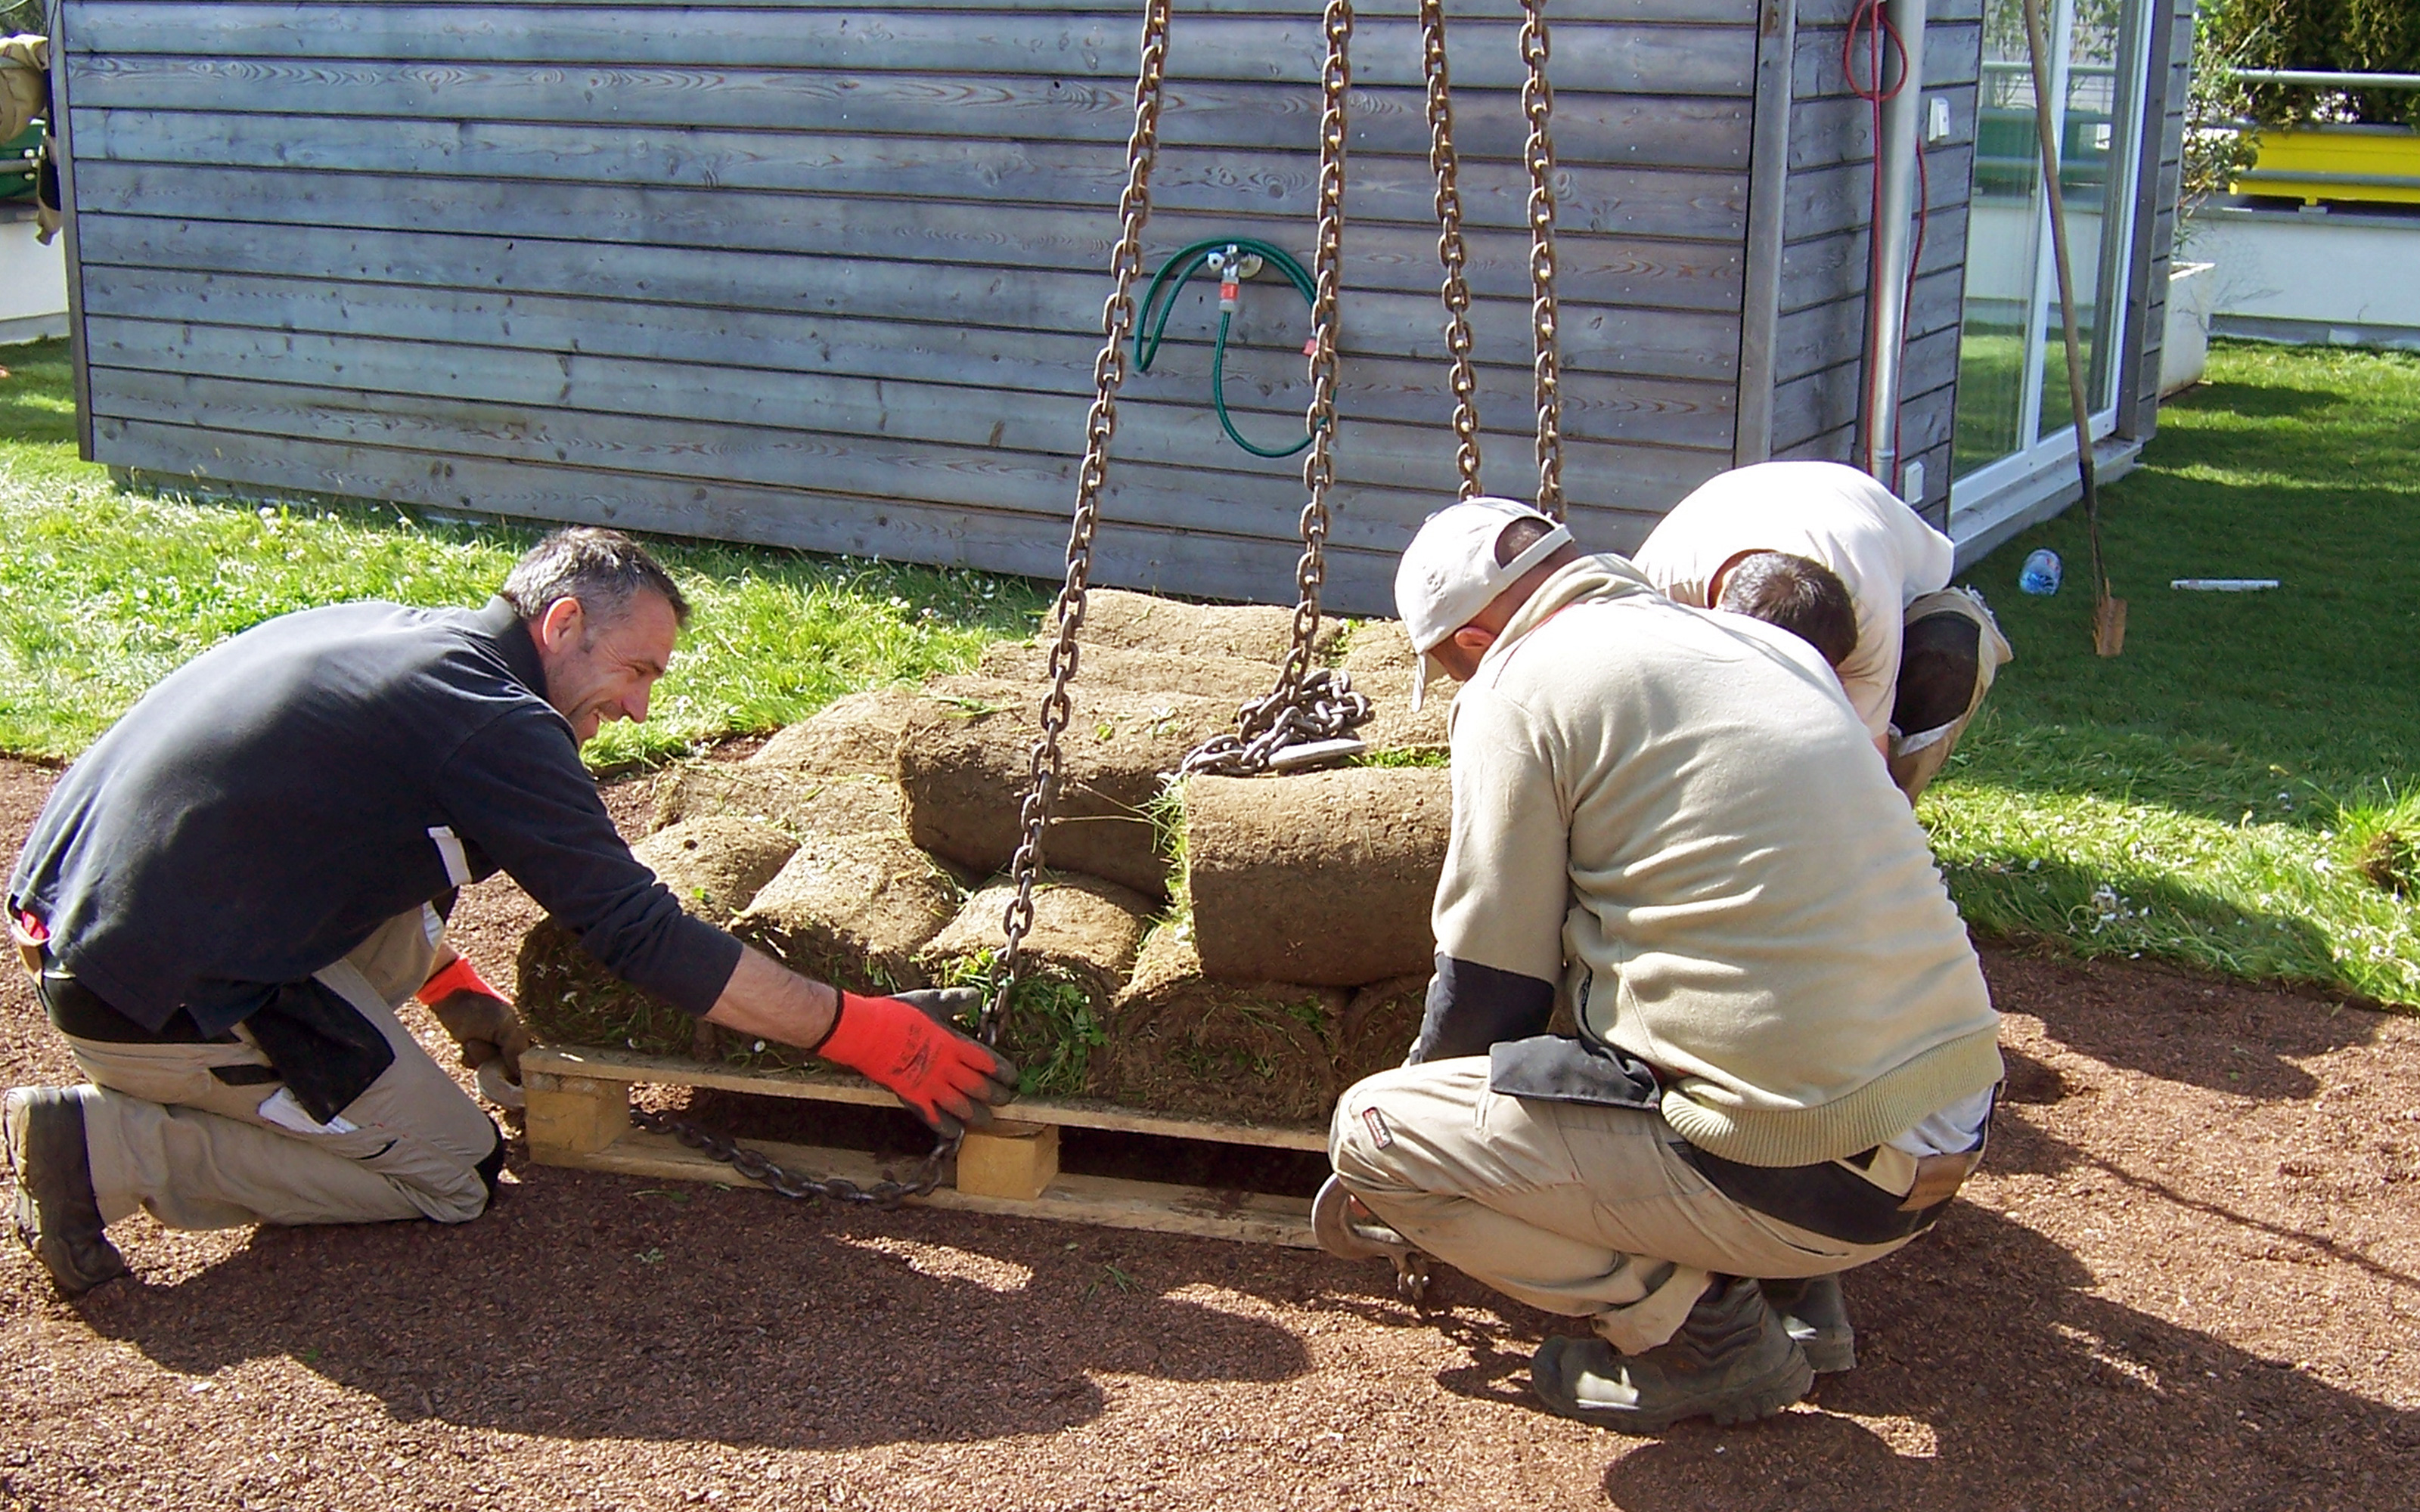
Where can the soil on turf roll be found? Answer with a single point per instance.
(1378, 658)
(1252, 632)
(1379, 1027)
(1395, 727)
(1077, 958)
(1324, 878)
(801, 802)
(1132, 669)
(565, 997)
(856, 733)
(715, 866)
(966, 764)
(1373, 646)
(853, 910)
(1246, 1052)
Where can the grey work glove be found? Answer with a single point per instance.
(486, 1028)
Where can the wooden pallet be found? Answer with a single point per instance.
(579, 1116)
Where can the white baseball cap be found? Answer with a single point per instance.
(1450, 573)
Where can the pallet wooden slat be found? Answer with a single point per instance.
(629, 1067)
(579, 1116)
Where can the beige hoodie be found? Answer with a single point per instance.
(1677, 816)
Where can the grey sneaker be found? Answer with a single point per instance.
(1731, 1361)
(1816, 1315)
(41, 1131)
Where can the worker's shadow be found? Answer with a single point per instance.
(2235, 1037)
(593, 1306)
(1990, 1375)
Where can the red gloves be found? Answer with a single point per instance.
(949, 1079)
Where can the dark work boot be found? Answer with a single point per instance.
(41, 1129)
(1817, 1315)
(1731, 1361)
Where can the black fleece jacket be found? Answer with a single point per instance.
(272, 803)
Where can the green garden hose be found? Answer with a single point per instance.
(1171, 276)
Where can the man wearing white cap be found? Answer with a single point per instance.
(1670, 822)
(1924, 653)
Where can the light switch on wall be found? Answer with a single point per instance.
(1936, 118)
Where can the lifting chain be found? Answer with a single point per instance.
(756, 1166)
(1309, 704)
(1451, 256)
(1538, 104)
(1046, 767)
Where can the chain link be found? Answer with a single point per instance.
(1456, 292)
(1046, 767)
(756, 1166)
(1538, 104)
(1308, 702)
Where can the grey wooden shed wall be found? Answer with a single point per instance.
(1819, 375)
(2167, 70)
(791, 271)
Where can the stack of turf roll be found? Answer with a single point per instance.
(1229, 949)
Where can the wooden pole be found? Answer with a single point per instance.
(2108, 613)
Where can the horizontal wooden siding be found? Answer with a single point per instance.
(830, 277)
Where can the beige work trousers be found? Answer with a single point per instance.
(1582, 1210)
(167, 1135)
(1917, 755)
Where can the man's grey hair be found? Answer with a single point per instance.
(603, 569)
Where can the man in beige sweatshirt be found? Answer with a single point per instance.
(1671, 821)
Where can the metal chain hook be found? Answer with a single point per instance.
(1309, 704)
(1046, 765)
(1456, 291)
(1538, 105)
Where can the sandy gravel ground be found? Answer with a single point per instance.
(2189, 1277)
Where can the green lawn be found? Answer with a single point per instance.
(102, 592)
(2218, 796)
(2212, 794)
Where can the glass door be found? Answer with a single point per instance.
(2013, 411)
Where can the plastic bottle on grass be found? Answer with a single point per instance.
(2040, 575)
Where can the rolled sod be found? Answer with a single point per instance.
(1077, 958)
(1394, 726)
(801, 802)
(856, 733)
(1379, 1027)
(853, 910)
(1249, 1052)
(715, 866)
(1251, 632)
(966, 766)
(1133, 670)
(1325, 878)
(1378, 658)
